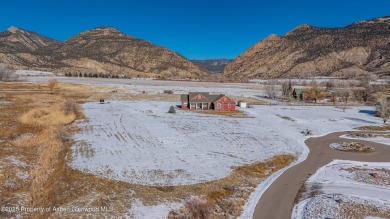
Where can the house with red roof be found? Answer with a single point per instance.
(206, 101)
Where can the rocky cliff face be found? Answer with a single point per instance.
(358, 48)
(101, 50)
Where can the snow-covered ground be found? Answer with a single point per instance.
(342, 182)
(156, 86)
(160, 211)
(139, 142)
(24, 73)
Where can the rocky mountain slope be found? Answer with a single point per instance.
(100, 50)
(213, 65)
(24, 49)
(355, 49)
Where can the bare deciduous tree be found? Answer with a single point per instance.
(314, 93)
(287, 90)
(345, 96)
(330, 84)
(271, 90)
(333, 98)
(384, 110)
(362, 95)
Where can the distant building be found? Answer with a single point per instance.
(299, 93)
(242, 104)
(206, 101)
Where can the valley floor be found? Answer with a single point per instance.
(156, 161)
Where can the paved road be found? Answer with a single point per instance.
(278, 200)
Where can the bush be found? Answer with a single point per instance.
(52, 83)
(168, 91)
(199, 207)
(307, 132)
(71, 106)
(195, 207)
(172, 110)
(63, 134)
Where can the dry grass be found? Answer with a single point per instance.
(374, 128)
(71, 107)
(285, 118)
(354, 147)
(151, 97)
(47, 117)
(195, 207)
(52, 83)
(21, 86)
(53, 111)
(35, 136)
(230, 193)
(48, 165)
(251, 100)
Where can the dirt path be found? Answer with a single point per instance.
(278, 199)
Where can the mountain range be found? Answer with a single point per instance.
(215, 66)
(307, 50)
(360, 48)
(100, 50)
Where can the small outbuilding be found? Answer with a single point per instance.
(242, 104)
(299, 94)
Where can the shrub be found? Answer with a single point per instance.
(307, 132)
(52, 83)
(199, 207)
(172, 110)
(168, 91)
(70, 106)
(63, 134)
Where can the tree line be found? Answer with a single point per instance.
(95, 75)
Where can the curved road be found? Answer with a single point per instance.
(278, 200)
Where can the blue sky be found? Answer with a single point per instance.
(197, 29)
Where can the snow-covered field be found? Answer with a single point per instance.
(345, 183)
(25, 73)
(139, 142)
(148, 86)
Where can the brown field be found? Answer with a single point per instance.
(36, 126)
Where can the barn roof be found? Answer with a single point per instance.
(299, 91)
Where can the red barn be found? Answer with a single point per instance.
(205, 101)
